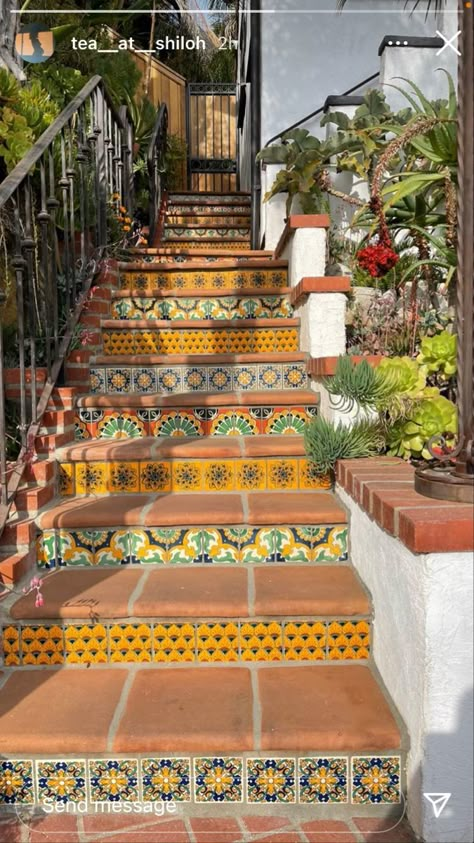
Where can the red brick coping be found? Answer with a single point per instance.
(320, 367)
(384, 488)
(300, 221)
(320, 284)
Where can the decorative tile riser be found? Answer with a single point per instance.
(201, 341)
(181, 257)
(216, 641)
(209, 243)
(230, 307)
(316, 778)
(102, 478)
(95, 423)
(182, 233)
(208, 279)
(207, 210)
(168, 380)
(182, 220)
(192, 545)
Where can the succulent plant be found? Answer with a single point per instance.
(438, 354)
(432, 416)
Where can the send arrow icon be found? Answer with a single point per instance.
(438, 801)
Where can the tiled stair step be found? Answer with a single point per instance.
(189, 336)
(198, 373)
(225, 199)
(216, 245)
(224, 254)
(172, 591)
(189, 232)
(218, 277)
(232, 218)
(219, 414)
(203, 464)
(194, 304)
(206, 210)
(249, 528)
(212, 723)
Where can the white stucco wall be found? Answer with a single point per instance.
(322, 330)
(306, 57)
(306, 254)
(423, 648)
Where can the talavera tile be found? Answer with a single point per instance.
(61, 781)
(16, 782)
(323, 780)
(166, 779)
(271, 780)
(113, 780)
(218, 779)
(375, 779)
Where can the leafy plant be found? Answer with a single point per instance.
(143, 114)
(360, 384)
(434, 416)
(438, 353)
(326, 442)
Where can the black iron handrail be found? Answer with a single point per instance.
(156, 163)
(321, 109)
(56, 207)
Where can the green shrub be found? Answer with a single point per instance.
(326, 442)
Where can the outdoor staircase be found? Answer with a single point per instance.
(197, 562)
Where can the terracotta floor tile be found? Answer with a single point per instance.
(82, 593)
(108, 822)
(283, 837)
(52, 828)
(259, 824)
(42, 711)
(208, 447)
(320, 589)
(172, 831)
(328, 831)
(116, 511)
(269, 446)
(295, 508)
(195, 509)
(206, 830)
(106, 449)
(334, 707)
(194, 592)
(380, 830)
(188, 710)
(11, 830)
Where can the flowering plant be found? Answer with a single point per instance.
(377, 259)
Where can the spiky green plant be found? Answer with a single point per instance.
(361, 384)
(326, 442)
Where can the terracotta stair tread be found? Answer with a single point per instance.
(198, 292)
(215, 225)
(196, 324)
(195, 591)
(200, 359)
(228, 264)
(171, 447)
(194, 509)
(287, 397)
(199, 709)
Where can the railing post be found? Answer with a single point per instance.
(255, 118)
(102, 197)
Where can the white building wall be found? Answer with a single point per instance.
(306, 57)
(423, 648)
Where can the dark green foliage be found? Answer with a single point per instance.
(326, 442)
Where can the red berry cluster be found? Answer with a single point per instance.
(377, 260)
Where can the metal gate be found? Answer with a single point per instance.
(212, 137)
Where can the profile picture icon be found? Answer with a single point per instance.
(34, 43)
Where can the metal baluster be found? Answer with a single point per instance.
(92, 136)
(52, 204)
(28, 244)
(66, 263)
(82, 158)
(101, 179)
(3, 454)
(19, 265)
(71, 175)
(44, 219)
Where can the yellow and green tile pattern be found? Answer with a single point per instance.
(219, 475)
(195, 545)
(277, 640)
(207, 307)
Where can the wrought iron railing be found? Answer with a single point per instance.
(156, 163)
(56, 207)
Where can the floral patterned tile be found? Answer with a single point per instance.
(113, 780)
(218, 780)
(323, 780)
(166, 779)
(16, 782)
(375, 779)
(271, 780)
(61, 781)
